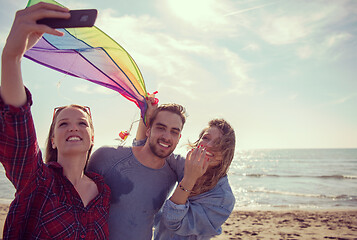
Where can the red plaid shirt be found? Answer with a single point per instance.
(46, 204)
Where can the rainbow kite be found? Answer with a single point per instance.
(90, 54)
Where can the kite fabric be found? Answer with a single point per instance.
(90, 54)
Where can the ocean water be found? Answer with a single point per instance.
(295, 178)
(282, 178)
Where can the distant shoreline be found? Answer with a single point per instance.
(7, 202)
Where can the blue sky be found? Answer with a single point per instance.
(283, 73)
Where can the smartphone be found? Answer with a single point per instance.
(79, 18)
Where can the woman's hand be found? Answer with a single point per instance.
(25, 32)
(196, 165)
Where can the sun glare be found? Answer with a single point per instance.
(198, 12)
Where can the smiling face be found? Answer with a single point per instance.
(210, 140)
(164, 133)
(72, 132)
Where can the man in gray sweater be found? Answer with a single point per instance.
(140, 178)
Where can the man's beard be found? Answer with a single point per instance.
(154, 149)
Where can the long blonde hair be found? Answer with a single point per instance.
(226, 146)
(51, 154)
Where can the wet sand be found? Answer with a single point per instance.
(279, 224)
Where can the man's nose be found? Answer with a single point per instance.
(166, 135)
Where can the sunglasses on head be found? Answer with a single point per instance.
(86, 109)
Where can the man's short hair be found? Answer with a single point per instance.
(170, 107)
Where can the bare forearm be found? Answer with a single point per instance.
(24, 34)
(182, 191)
(12, 88)
(141, 132)
(195, 167)
(151, 106)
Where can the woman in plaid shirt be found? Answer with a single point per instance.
(59, 199)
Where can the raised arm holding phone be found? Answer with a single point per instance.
(57, 199)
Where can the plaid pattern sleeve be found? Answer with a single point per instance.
(46, 204)
(18, 145)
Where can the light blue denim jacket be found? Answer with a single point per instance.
(200, 218)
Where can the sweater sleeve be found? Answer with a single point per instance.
(102, 160)
(202, 215)
(139, 143)
(19, 150)
(177, 164)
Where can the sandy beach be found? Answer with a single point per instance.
(291, 224)
(4, 208)
(279, 224)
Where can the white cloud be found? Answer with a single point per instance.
(83, 89)
(304, 52)
(337, 39)
(237, 70)
(201, 18)
(249, 9)
(284, 30)
(192, 67)
(169, 91)
(78, 4)
(327, 49)
(201, 13)
(252, 47)
(207, 63)
(293, 96)
(296, 21)
(93, 90)
(343, 99)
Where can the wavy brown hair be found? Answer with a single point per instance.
(226, 147)
(51, 154)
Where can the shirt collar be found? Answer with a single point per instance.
(59, 169)
(98, 179)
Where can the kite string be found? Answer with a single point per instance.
(59, 83)
(135, 116)
(123, 135)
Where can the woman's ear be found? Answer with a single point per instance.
(53, 143)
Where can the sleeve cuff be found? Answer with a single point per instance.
(176, 206)
(139, 143)
(173, 213)
(12, 109)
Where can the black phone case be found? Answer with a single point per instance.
(79, 18)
